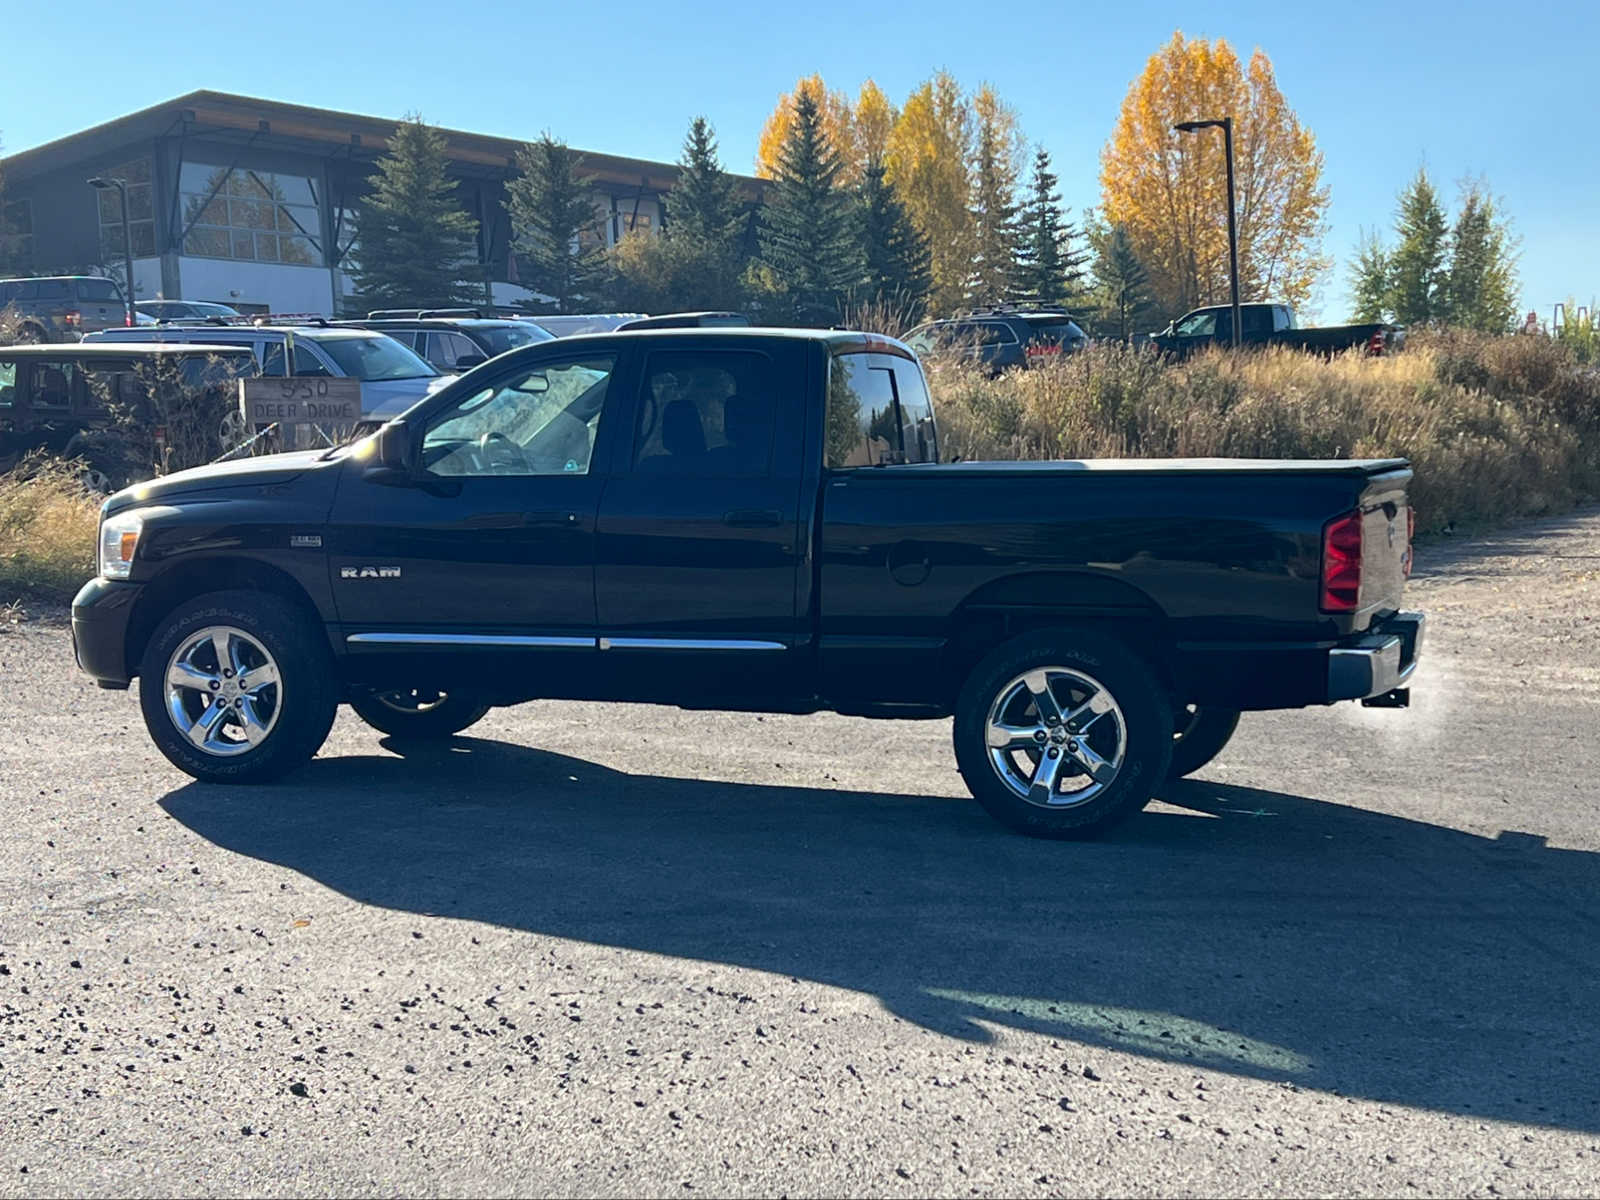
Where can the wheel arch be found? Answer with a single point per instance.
(1077, 600)
(186, 580)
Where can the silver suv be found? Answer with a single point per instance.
(62, 308)
(393, 377)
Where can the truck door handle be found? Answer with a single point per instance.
(550, 518)
(499, 520)
(753, 518)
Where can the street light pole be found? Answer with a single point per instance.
(100, 185)
(1226, 125)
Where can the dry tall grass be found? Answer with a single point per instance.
(47, 530)
(1496, 427)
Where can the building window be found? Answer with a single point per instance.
(141, 211)
(628, 222)
(16, 236)
(255, 215)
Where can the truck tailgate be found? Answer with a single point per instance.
(1385, 541)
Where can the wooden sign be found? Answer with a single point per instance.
(299, 400)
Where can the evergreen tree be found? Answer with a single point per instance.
(1122, 286)
(1417, 281)
(1480, 286)
(895, 254)
(556, 224)
(416, 242)
(704, 203)
(809, 248)
(1049, 267)
(994, 211)
(1370, 282)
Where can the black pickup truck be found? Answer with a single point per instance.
(1271, 325)
(756, 520)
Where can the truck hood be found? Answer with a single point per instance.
(268, 471)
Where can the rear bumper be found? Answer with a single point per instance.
(1379, 661)
(101, 612)
(1266, 675)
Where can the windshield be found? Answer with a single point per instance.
(500, 338)
(1056, 331)
(371, 356)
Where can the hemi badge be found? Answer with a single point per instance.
(305, 541)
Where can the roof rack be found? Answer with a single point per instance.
(287, 319)
(1018, 310)
(197, 320)
(420, 314)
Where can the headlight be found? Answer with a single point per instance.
(119, 538)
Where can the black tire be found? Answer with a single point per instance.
(1199, 735)
(1143, 714)
(303, 704)
(418, 715)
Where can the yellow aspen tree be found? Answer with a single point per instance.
(874, 119)
(928, 160)
(1168, 190)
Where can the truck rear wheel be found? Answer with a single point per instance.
(1062, 734)
(237, 687)
(1198, 736)
(418, 713)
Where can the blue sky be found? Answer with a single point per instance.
(1502, 90)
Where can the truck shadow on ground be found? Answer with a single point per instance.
(1271, 935)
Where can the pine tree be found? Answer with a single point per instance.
(1122, 285)
(1049, 267)
(704, 203)
(1480, 285)
(1371, 284)
(556, 224)
(809, 246)
(895, 254)
(994, 205)
(416, 242)
(1417, 277)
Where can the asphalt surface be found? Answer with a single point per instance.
(630, 950)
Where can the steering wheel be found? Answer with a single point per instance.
(499, 451)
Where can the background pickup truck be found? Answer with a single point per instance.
(1271, 325)
(748, 519)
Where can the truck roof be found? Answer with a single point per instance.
(838, 341)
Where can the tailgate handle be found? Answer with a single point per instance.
(753, 518)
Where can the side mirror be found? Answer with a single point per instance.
(467, 361)
(391, 460)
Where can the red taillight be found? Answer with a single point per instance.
(1040, 349)
(1375, 343)
(71, 319)
(1341, 563)
(127, 319)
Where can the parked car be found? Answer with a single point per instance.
(186, 310)
(1270, 324)
(749, 519)
(62, 308)
(58, 398)
(453, 339)
(1000, 338)
(687, 320)
(393, 377)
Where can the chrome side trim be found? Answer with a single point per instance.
(467, 639)
(645, 643)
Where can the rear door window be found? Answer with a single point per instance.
(707, 413)
(918, 438)
(272, 361)
(8, 384)
(862, 428)
(53, 289)
(98, 291)
(55, 382)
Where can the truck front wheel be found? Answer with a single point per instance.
(1062, 734)
(418, 713)
(237, 687)
(1199, 734)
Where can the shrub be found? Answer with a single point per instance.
(47, 530)
(1496, 427)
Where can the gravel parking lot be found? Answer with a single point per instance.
(629, 950)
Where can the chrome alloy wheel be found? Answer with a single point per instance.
(224, 691)
(1056, 736)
